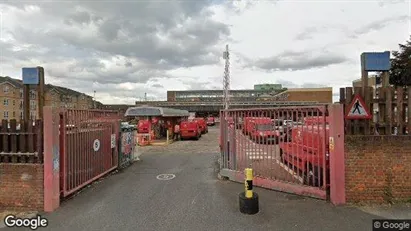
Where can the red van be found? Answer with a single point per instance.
(203, 125)
(189, 130)
(210, 121)
(143, 126)
(261, 130)
(306, 153)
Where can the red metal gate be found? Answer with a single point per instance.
(86, 147)
(287, 147)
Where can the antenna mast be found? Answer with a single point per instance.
(226, 80)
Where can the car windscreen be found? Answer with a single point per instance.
(264, 127)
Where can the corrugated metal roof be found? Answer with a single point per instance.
(156, 111)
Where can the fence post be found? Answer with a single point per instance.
(51, 159)
(337, 154)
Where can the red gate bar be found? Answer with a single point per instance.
(286, 146)
(86, 152)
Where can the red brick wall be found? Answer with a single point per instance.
(378, 169)
(21, 186)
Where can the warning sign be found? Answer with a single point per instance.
(358, 109)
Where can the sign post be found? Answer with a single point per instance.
(33, 76)
(375, 62)
(358, 109)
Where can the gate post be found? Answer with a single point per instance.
(51, 159)
(337, 154)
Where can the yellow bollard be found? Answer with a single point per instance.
(248, 182)
(248, 200)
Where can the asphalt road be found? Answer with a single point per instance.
(194, 200)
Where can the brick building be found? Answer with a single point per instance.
(320, 95)
(11, 99)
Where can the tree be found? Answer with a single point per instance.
(400, 72)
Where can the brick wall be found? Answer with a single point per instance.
(21, 187)
(320, 96)
(378, 169)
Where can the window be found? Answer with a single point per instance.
(6, 89)
(6, 114)
(21, 104)
(32, 95)
(32, 115)
(32, 105)
(21, 93)
(14, 114)
(5, 102)
(14, 102)
(21, 115)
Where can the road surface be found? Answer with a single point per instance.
(195, 199)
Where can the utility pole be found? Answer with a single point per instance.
(226, 79)
(145, 96)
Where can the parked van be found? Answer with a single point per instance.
(210, 121)
(143, 126)
(308, 150)
(262, 130)
(203, 125)
(190, 130)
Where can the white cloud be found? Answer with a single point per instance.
(92, 47)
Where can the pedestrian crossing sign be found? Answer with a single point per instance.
(358, 109)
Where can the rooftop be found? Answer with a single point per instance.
(62, 90)
(240, 90)
(156, 111)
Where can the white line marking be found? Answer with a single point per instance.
(290, 171)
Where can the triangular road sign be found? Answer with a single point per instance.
(358, 109)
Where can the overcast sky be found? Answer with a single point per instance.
(123, 49)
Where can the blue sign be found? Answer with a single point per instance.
(31, 75)
(376, 61)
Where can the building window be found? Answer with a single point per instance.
(32, 105)
(6, 89)
(21, 93)
(5, 102)
(14, 102)
(21, 104)
(32, 115)
(21, 115)
(6, 114)
(32, 95)
(14, 114)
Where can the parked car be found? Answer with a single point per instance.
(210, 121)
(261, 130)
(203, 125)
(305, 152)
(190, 130)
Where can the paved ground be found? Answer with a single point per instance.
(194, 200)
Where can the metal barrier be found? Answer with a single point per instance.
(127, 145)
(88, 147)
(286, 147)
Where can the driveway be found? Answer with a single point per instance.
(134, 199)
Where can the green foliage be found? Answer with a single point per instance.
(400, 72)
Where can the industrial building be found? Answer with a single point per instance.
(211, 101)
(217, 95)
(267, 87)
